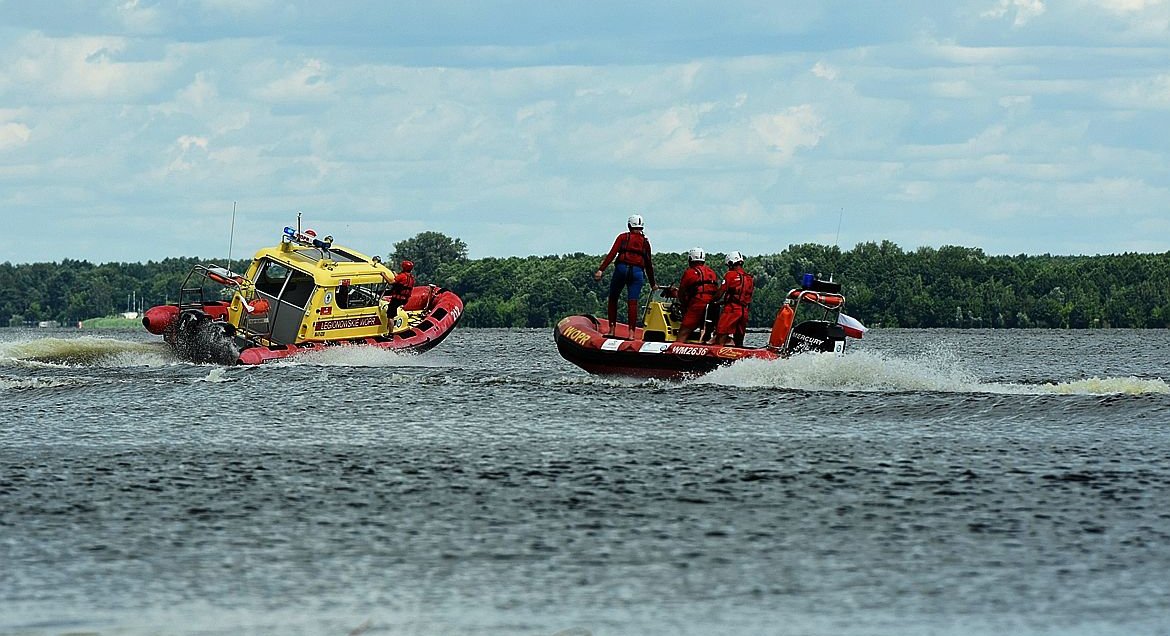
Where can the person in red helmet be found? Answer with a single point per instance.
(698, 287)
(735, 295)
(632, 269)
(402, 285)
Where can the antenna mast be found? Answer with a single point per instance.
(837, 241)
(231, 236)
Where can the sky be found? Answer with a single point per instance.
(135, 130)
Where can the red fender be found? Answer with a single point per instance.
(781, 326)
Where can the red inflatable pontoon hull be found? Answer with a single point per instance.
(582, 341)
(445, 312)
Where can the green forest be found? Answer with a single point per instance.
(884, 285)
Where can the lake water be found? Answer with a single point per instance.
(929, 482)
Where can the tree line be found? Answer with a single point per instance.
(884, 285)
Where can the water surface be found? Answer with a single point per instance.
(930, 482)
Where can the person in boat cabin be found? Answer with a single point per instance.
(401, 286)
(698, 287)
(736, 295)
(633, 267)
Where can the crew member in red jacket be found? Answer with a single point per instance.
(632, 268)
(698, 287)
(736, 295)
(401, 287)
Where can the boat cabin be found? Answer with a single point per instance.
(304, 289)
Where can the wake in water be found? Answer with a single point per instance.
(96, 351)
(936, 371)
(90, 351)
(359, 356)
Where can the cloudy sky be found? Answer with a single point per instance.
(130, 128)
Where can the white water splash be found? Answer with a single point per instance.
(85, 351)
(938, 370)
(599, 380)
(1105, 386)
(25, 384)
(218, 375)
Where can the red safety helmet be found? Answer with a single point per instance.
(407, 266)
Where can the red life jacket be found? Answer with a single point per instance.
(741, 294)
(402, 286)
(634, 249)
(699, 285)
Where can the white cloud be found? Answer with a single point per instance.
(1144, 20)
(783, 133)
(825, 71)
(138, 18)
(670, 139)
(241, 7)
(306, 82)
(81, 68)
(1147, 93)
(915, 191)
(13, 134)
(1129, 6)
(184, 146)
(1023, 10)
(954, 89)
(197, 95)
(1015, 102)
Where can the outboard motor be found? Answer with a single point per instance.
(816, 335)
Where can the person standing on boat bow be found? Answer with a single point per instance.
(698, 287)
(632, 269)
(736, 295)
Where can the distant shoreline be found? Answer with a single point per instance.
(110, 322)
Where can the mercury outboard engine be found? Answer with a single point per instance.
(816, 335)
(810, 335)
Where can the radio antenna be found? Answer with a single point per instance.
(231, 236)
(837, 241)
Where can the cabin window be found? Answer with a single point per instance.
(289, 285)
(271, 278)
(359, 296)
(299, 288)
